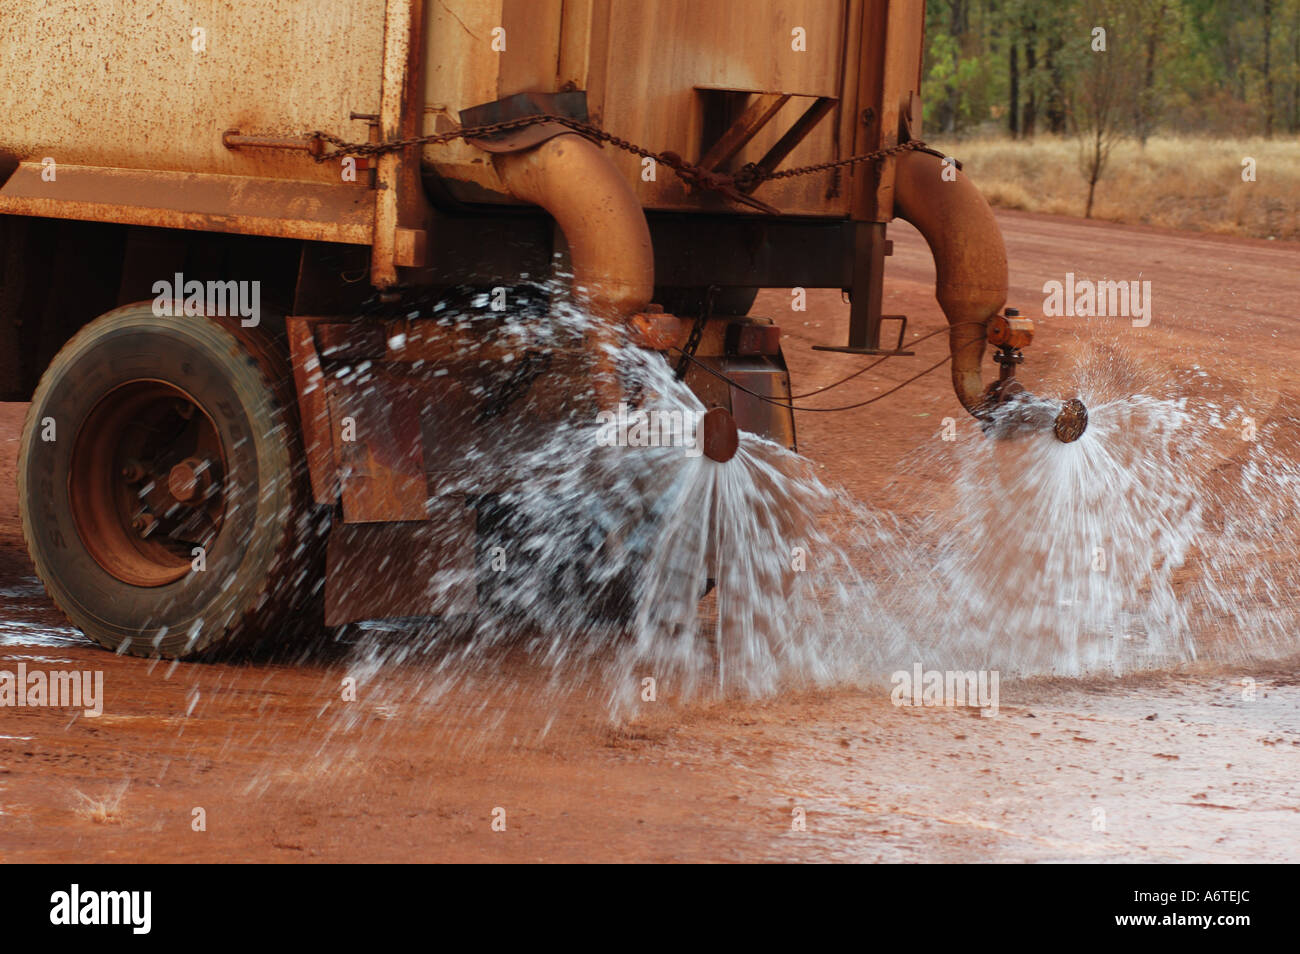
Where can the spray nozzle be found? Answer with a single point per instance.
(1010, 332)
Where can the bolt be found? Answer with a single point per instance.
(133, 471)
(189, 480)
(144, 524)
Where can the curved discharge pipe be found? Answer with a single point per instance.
(602, 220)
(969, 258)
(607, 234)
(610, 250)
(970, 276)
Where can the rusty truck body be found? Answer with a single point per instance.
(182, 142)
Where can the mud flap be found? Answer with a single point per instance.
(411, 568)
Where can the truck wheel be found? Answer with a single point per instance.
(159, 486)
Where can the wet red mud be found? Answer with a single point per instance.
(1163, 766)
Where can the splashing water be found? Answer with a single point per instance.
(1058, 557)
(595, 557)
(1142, 544)
(1135, 547)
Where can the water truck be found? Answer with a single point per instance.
(216, 219)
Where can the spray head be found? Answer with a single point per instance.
(1071, 421)
(720, 435)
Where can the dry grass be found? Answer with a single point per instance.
(1192, 184)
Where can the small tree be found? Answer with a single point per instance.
(1103, 94)
(1097, 114)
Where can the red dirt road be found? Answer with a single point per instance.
(1178, 764)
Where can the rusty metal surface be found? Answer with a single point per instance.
(719, 435)
(762, 374)
(610, 255)
(234, 139)
(393, 409)
(418, 340)
(400, 203)
(657, 331)
(189, 200)
(145, 482)
(762, 107)
(377, 443)
(806, 123)
(766, 376)
(656, 99)
(1071, 421)
(415, 64)
(119, 83)
(606, 231)
(313, 409)
(616, 51)
(1010, 331)
(888, 74)
(575, 44)
(343, 340)
(969, 256)
(753, 337)
(572, 104)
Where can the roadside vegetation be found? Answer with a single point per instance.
(1181, 113)
(1192, 183)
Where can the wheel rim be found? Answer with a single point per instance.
(147, 482)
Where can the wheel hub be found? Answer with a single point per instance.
(145, 482)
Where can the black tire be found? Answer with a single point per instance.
(133, 371)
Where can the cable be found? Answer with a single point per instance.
(825, 388)
(846, 407)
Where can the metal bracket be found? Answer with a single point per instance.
(745, 128)
(234, 139)
(572, 105)
(796, 134)
(751, 121)
(896, 352)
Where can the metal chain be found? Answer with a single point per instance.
(734, 186)
(696, 335)
(905, 146)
